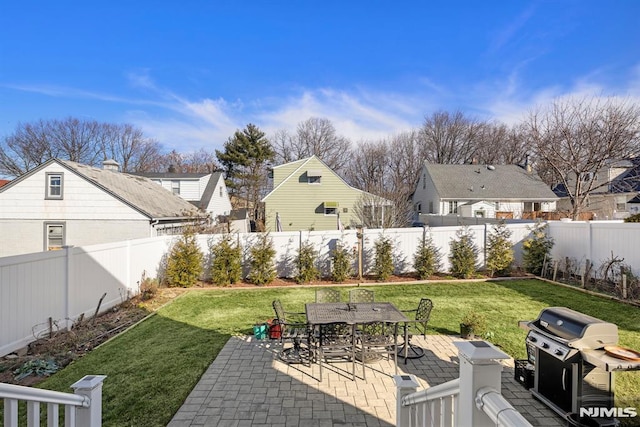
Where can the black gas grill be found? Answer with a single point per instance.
(572, 370)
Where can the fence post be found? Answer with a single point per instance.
(405, 384)
(91, 387)
(479, 367)
(67, 323)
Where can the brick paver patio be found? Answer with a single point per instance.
(247, 385)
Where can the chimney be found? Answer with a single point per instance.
(111, 165)
(527, 165)
(172, 169)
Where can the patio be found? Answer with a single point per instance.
(247, 385)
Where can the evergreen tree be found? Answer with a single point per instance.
(464, 254)
(262, 254)
(185, 261)
(306, 263)
(537, 248)
(499, 249)
(426, 260)
(226, 261)
(244, 160)
(383, 267)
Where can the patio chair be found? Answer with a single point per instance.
(293, 328)
(336, 342)
(361, 295)
(376, 340)
(327, 295)
(420, 319)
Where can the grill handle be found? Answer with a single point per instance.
(564, 376)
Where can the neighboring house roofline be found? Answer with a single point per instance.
(302, 164)
(75, 168)
(207, 194)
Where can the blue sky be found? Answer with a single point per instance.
(189, 73)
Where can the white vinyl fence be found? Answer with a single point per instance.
(45, 291)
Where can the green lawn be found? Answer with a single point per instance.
(152, 368)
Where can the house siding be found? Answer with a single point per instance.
(300, 204)
(90, 214)
(219, 205)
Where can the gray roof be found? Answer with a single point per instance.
(140, 193)
(484, 182)
(171, 175)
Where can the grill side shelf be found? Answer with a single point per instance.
(602, 360)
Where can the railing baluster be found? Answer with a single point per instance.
(69, 416)
(11, 412)
(33, 414)
(52, 415)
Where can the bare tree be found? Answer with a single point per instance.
(498, 144)
(576, 139)
(387, 169)
(314, 136)
(87, 142)
(128, 146)
(449, 138)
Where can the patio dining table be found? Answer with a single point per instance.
(319, 313)
(354, 314)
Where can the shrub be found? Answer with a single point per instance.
(499, 249)
(148, 288)
(537, 248)
(184, 265)
(464, 253)
(633, 218)
(262, 265)
(341, 263)
(426, 260)
(306, 263)
(475, 322)
(226, 261)
(383, 267)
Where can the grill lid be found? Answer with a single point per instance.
(580, 330)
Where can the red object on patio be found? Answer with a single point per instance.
(274, 329)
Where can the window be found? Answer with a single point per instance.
(314, 176)
(419, 207)
(54, 236)
(331, 208)
(221, 192)
(431, 206)
(175, 187)
(424, 181)
(621, 207)
(453, 207)
(54, 186)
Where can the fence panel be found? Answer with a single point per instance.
(63, 284)
(32, 290)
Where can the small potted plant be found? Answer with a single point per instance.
(472, 325)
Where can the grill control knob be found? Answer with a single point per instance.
(545, 345)
(558, 352)
(533, 339)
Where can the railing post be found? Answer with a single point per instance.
(91, 387)
(479, 367)
(405, 384)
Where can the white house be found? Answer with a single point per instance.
(206, 191)
(65, 203)
(500, 191)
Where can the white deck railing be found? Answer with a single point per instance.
(81, 409)
(474, 399)
(435, 406)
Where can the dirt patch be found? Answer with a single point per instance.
(56, 348)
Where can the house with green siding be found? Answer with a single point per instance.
(308, 195)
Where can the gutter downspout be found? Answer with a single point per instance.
(153, 224)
